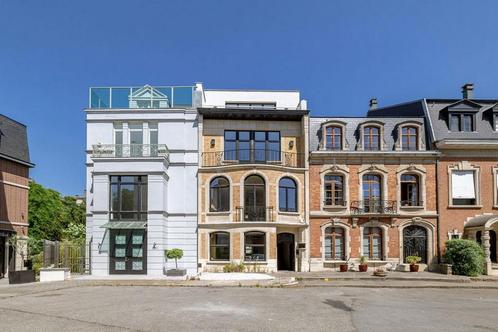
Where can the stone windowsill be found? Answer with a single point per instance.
(464, 206)
(222, 213)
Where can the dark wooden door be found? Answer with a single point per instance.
(128, 251)
(286, 252)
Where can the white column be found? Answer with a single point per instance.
(487, 252)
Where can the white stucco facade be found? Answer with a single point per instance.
(171, 177)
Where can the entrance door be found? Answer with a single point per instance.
(128, 254)
(286, 252)
(492, 245)
(415, 242)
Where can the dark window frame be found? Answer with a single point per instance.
(409, 187)
(141, 209)
(216, 192)
(253, 245)
(253, 154)
(287, 189)
(331, 190)
(214, 246)
(408, 132)
(459, 125)
(333, 135)
(371, 135)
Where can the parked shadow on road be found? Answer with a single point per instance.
(338, 305)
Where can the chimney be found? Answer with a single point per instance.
(373, 104)
(467, 91)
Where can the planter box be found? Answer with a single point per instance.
(176, 273)
(54, 274)
(21, 277)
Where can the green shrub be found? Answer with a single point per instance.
(234, 267)
(363, 260)
(412, 260)
(175, 254)
(466, 257)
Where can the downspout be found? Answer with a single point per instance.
(438, 236)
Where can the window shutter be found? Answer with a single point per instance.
(462, 184)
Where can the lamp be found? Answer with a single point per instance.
(212, 143)
(291, 145)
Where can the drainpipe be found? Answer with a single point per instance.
(438, 224)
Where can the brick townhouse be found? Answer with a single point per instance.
(372, 189)
(14, 187)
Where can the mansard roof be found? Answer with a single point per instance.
(14, 141)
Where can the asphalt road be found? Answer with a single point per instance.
(107, 308)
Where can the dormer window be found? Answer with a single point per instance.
(463, 122)
(371, 138)
(333, 138)
(409, 138)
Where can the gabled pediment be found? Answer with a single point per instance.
(464, 105)
(148, 97)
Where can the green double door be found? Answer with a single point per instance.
(128, 251)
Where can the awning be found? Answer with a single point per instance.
(125, 225)
(481, 221)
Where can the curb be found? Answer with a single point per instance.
(468, 280)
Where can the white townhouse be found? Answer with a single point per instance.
(142, 161)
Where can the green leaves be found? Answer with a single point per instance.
(466, 256)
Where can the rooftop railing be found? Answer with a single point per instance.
(140, 97)
(129, 150)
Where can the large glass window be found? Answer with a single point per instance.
(255, 246)
(372, 194)
(372, 243)
(219, 246)
(254, 198)
(409, 138)
(371, 138)
(334, 190)
(128, 197)
(219, 195)
(333, 138)
(287, 195)
(252, 146)
(334, 243)
(462, 122)
(463, 189)
(409, 190)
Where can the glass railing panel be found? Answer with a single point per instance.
(182, 96)
(120, 97)
(100, 98)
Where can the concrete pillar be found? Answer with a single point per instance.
(487, 252)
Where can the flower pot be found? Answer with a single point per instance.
(413, 267)
(21, 277)
(343, 268)
(363, 267)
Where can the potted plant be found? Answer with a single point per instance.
(413, 260)
(19, 245)
(363, 267)
(175, 254)
(344, 267)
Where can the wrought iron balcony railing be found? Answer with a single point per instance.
(254, 213)
(129, 150)
(373, 207)
(252, 156)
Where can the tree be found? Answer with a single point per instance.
(175, 254)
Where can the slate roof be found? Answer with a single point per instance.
(352, 129)
(14, 140)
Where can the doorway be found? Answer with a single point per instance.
(286, 252)
(492, 244)
(128, 254)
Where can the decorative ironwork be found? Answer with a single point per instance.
(252, 156)
(254, 213)
(129, 150)
(373, 207)
(415, 242)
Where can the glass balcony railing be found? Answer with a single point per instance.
(141, 97)
(129, 150)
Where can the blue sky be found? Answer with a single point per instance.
(338, 53)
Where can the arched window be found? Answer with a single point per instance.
(254, 198)
(333, 190)
(372, 192)
(372, 243)
(409, 138)
(371, 138)
(333, 138)
(254, 246)
(219, 195)
(410, 190)
(335, 243)
(219, 246)
(415, 242)
(287, 195)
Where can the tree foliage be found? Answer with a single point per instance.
(54, 217)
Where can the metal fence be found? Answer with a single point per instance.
(65, 255)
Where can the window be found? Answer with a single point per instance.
(372, 194)
(463, 188)
(462, 122)
(371, 138)
(219, 246)
(334, 243)
(287, 195)
(128, 198)
(333, 138)
(153, 138)
(254, 198)
(409, 190)
(372, 243)
(252, 146)
(334, 190)
(255, 246)
(219, 195)
(409, 138)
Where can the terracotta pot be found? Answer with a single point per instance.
(413, 267)
(343, 268)
(363, 267)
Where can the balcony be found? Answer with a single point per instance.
(252, 156)
(254, 213)
(141, 97)
(369, 207)
(130, 150)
